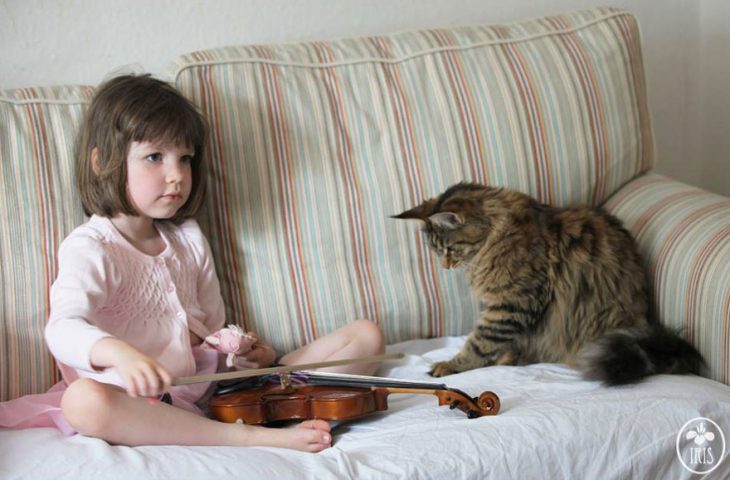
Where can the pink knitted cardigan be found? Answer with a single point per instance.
(106, 287)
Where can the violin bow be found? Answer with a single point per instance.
(215, 377)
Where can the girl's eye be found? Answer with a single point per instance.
(153, 157)
(187, 159)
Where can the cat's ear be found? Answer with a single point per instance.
(446, 220)
(420, 212)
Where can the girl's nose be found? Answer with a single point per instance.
(174, 172)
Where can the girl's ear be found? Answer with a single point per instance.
(446, 220)
(95, 160)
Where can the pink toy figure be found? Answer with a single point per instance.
(233, 341)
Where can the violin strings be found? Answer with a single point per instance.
(342, 379)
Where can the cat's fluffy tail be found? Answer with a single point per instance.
(627, 356)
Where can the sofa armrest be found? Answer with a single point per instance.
(683, 233)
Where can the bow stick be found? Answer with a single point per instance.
(214, 377)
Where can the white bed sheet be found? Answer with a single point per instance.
(552, 425)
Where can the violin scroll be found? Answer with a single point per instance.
(489, 401)
(486, 404)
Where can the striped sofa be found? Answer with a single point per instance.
(316, 144)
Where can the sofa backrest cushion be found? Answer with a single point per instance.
(316, 144)
(39, 208)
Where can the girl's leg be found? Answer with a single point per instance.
(107, 412)
(360, 338)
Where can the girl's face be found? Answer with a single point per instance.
(159, 178)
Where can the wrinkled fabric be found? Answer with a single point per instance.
(553, 424)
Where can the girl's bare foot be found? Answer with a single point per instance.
(312, 435)
(308, 436)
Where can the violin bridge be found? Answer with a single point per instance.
(285, 380)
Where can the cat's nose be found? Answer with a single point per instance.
(446, 262)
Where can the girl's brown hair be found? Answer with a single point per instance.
(135, 108)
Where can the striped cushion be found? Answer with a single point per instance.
(316, 144)
(684, 234)
(39, 207)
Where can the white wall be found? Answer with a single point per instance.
(712, 115)
(686, 45)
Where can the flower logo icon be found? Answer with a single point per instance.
(701, 435)
(701, 445)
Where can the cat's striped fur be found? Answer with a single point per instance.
(557, 285)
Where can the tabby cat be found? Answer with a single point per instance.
(556, 284)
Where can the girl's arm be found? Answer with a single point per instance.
(211, 301)
(83, 282)
(209, 293)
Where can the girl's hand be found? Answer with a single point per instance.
(142, 375)
(261, 355)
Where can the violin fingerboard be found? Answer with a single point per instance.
(342, 380)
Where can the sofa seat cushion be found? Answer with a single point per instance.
(315, 144)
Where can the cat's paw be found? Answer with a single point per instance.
(441, 369)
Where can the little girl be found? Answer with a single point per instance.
(136, 290)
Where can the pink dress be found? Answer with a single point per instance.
(106, 287)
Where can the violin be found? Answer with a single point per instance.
(324, 396)
(335, 397)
